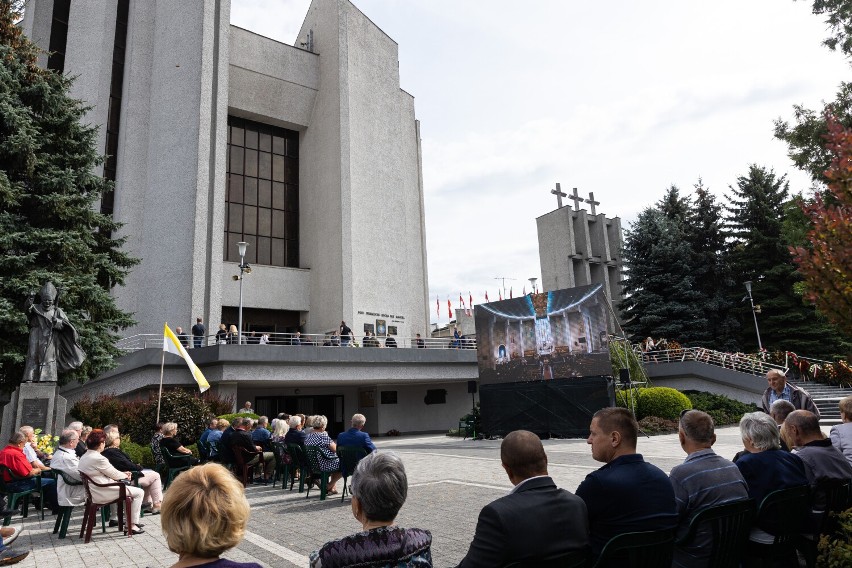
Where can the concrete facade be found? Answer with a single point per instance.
(362, 254)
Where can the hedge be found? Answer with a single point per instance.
(724, 410)
(662, 402)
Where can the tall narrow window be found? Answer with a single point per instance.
(58, 35)
(114, 113)
(262, 199)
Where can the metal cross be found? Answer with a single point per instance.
(576, 199)
(559, 195)
(591, 201)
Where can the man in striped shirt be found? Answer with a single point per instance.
(704, 479)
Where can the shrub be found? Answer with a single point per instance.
(186, 409)
(230, 417)
(835, 549)
(662, 402)
(655, 425)
(724, 410)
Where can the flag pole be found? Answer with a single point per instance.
(162, 364)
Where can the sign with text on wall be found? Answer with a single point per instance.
(382, 325)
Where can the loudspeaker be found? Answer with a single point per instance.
(471, 387)
(624, 376)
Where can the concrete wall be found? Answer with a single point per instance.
(36, 25)
(411, 414)
(269, 287)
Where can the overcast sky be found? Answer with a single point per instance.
(621, 98)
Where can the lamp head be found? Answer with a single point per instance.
(241, 247)
(748, 286)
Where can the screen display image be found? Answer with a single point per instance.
(540, 337)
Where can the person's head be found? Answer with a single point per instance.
(222, 327)
(205, 512)
(85, 432)
(69, 438)
(262, 422)
(179, 329)
(776, 380)
(28, 432)
(802, 427)
(95, 439)
(113, 439)
(247, 404)
(197, 320)
(78, 426)
(320, 422)
(158, 428)
(418, 336)
(780, 409)
(613, 433)
(109, 428)
(213, 423)
(696, 431)
(280, 427)
(522, 456)
(358, 421)
(233, 329)
(48, 295)
(759, 432)
(223, 424)
(846, 409)
(296, 422)
(343, 323)
(170, 429)
(379, 487)
(17, 439)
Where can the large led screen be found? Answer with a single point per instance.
(540, 337)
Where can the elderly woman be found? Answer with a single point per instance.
(379, 488)
(205, 513)
(329, 462)
(149, 482)
(279, 430)
(99, 470)
(173, 445)
(841, 434)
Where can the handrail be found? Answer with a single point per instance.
(741, 362)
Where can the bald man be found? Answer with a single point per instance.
(536, 520)
(779, 389)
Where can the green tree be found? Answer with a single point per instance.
(49, 227)
(660, 298)
(758, 253)
(675, 207)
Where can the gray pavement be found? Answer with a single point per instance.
(450, 480)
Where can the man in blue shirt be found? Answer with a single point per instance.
(202, 448)
(627, 494)
(355, 437)
(261, 434)
(780, 389)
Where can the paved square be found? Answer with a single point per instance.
(450, 480)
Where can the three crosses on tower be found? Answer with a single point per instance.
(575, 197)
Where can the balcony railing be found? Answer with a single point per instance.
(735, 361)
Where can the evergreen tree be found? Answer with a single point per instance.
(759, 254)
(675, 207)
(660, 299)
(49, 228)
(706, 237)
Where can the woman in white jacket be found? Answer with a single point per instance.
(98, 468)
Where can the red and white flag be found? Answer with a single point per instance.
(449, 308)
(469, 309)
(461, 302)
(486, 296)
(500, 294)
(510, 292)
(438, 307)
(524, 291)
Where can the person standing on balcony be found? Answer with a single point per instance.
(780, 389)
(198, 331)
(345, 334)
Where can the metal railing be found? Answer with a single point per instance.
(736, 361)
(155, 340)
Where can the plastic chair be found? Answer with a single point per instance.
(213, 448)
(12, 497)
(174, 465)
(349, 458)
(241, 465)
(300, 459)
(282, 468)
(64, 516)
(781, 514)
(123, 501)
(573, 559)
(730, 524)
(313, 455)
(650, 549)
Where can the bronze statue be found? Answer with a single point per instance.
(54, 344)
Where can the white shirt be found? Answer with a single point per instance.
(30, 454)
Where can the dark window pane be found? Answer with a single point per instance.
(265, 144)
(264, 221)
(291, 170)
(278, 222)
(293, 147)
(235, 189)
(250, 196)
(263, 246)
(291, 229)
(237, 136)
(292, 198)
(279, 254)
(264, 193)
(251, 163)
(231, 252)
(279, 195)
(235, 164)
(249, 220)
(264, 167)
(279, 146)
(251, 138)
(292, 253)
(278, 168)
(251, 249)
(235, 218)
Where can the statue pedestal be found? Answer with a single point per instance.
(34, 404)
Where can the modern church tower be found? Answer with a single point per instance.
(215, 135)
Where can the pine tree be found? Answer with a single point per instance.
(758, 253)
(675, 207)
(49, 228)
(660, 299)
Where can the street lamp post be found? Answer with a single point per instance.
(244, 269)
(532, 284)
(754, 314)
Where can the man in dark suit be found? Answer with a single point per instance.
(355, 437)
(226, 454)
(241, 438)
(536, 520)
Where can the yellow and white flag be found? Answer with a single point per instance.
(172, 345)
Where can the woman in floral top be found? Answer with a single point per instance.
(329, 462)
(379, 487)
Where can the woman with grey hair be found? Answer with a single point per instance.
(766, 467)
(328, 460)
(379, 488)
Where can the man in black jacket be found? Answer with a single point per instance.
(241, 438)
(226, 454)
(536, 520)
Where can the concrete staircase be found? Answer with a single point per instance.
(826, 398)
